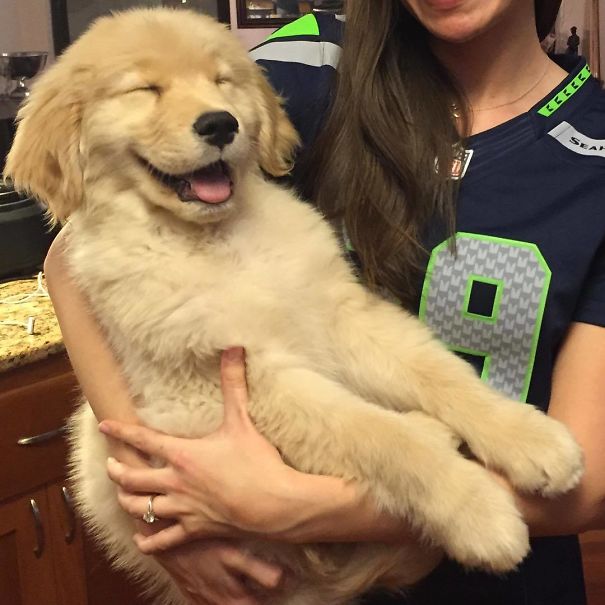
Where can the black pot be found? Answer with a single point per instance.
(24, 234)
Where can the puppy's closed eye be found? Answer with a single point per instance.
(222, 80)
(147, 88)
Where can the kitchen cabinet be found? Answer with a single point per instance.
(66, 538)
(26, 570)
(45, 557)
(593, 554)
(40, 550)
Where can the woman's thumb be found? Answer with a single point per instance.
(234, 387)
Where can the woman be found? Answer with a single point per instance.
(437, 101)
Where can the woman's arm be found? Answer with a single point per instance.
(96, 368)
(577, 400)
(98, 373)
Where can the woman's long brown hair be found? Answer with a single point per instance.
(381, 164)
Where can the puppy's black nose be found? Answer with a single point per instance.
(217, 127)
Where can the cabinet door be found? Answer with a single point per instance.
(34, 403)
(26, 563)
(593, 555)
(65, 533)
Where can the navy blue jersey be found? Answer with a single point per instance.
(530, 261)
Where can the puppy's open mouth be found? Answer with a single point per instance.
(211, 184)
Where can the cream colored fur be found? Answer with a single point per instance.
(341, 381)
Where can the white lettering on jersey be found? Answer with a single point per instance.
(569, 137)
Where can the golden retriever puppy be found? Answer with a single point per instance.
(150, 134)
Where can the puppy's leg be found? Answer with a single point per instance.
(392, 359)
(409, 462)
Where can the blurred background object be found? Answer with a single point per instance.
(71, 17)
(274, 13)
(18, 67)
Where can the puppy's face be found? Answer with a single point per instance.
(163, 102)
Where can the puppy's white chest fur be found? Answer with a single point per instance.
(186, 292)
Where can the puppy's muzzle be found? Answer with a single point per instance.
(217, 128)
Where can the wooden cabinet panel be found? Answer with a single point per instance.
(67, 547)
(593, 555)
(26, 569)
(34, 400)
(35, 406)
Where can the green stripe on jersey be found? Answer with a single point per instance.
(565, 94)
(304, 26)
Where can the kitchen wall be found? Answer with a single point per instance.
(252, 36)
(25, 25)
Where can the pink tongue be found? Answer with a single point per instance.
(212, 188)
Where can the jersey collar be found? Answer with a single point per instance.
(565, 99)
(492, 146)
(550, 111)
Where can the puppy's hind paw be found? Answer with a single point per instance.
(488, 533)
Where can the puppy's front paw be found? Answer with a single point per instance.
(539, 455)
(550, 464)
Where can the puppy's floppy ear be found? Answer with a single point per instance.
(277, 138)
(44, 160)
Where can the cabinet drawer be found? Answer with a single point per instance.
(34, 406)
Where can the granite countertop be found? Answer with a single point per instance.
(21, 300)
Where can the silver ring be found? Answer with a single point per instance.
(149, 516)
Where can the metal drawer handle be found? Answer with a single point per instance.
(70, 534)
(39, 549)
(42, 437)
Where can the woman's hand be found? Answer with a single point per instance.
(233, 483)
(215, 572)
(227, 484)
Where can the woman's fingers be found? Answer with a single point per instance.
(204, 571)
(126, 454)
(150, 442)
(229, 590)
(234, 387)
(163, 507)
(232, 592)
(265, 574)
(239, 601)
(172, 536)
(146, 481)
